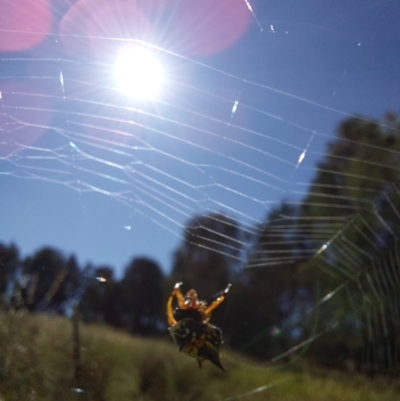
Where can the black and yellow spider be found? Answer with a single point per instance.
(190, 325)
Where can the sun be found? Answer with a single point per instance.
(138, 72)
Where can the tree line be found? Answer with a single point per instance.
(319, 276)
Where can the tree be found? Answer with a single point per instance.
(143, 298)
(9, 263)
(101, 300)
(355, 199)
(360, 167)
(71, 284)
(52, 280)
(265, 294)
(210, 254)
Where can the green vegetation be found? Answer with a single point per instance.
(36, 364)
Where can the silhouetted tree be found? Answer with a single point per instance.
(356, 190)
(143, 297)
(101, 300)
(210, 254)
(9, 263)
(47, 272)
(70, 286)
(339, 247)
(265, 293)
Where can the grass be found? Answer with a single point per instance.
(36, 364)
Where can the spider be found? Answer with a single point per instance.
(190, 325)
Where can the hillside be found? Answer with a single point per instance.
(36, 364)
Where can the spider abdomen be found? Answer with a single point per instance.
(198, 339)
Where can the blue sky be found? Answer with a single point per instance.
(313, 64)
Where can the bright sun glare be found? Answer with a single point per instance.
(138, 72)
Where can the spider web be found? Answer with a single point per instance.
(221, 137)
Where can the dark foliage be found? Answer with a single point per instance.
(142, 297)
(101, 300)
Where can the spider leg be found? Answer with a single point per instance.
(213, 305)
(171, 320)
(178, 294)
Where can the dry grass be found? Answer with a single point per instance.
(36, 364)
